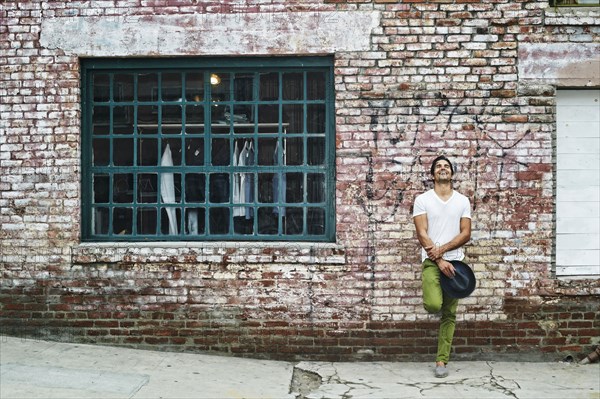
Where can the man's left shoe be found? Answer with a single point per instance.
(441, 371)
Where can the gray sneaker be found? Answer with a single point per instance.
(441, 371)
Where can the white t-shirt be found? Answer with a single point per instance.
(443, 219)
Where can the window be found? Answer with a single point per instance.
(208, 149)
(574, 3)
(578, 183)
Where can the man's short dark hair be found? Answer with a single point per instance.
(441, 158)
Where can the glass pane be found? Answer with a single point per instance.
(219, 188)
(147, 152)
(219, 220)
(219, 84)
(194, 152)
(194, 119)
(294, 187)
(171, 155)
(171, 119)
(170, 219)
(194, 86)
(194, 187)
(148, 87)
(243, 87)
(101, 152)
(171, 87)
(146, 221)
(170, 188)
(315, 85)
(266, 151)
(101, 87)
(243, 225)
(123, 87)
(123, 119)
(268, 113)
(148, 119)
(294, 151)
(316, 151)
(101, 188)
(242, 114)
(293, 86)
(220, 152)
(123, 188)
(268, 220)
(316, 221)
(266, 187)
(315, 118)
(100, 219)
(122, 221)
(293, 118)
(194, 221)
(123, 152)
(315, 183)
(269, 86)
(147, 188)
(294, 219)
(101, 119)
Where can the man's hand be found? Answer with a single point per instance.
(434, 252)
(446, 267)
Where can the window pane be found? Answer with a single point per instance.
(315, 85)
(148, 119)
(243, 87)
(148, 87)
(194, 221)
(265, 187)
(315, 118)
(101, 88)
(101, 119)
(266, 151)
(194, 152)
(269, 86)
(294, 221)
(194, 119)
(293, 118)
(146, 221)
(123, 188)
(219, 220)
(243, 225)
(294, 187)
(147, 188)
(101, 152)
(170, 188)
(194, 187)
(147, 152)
(315, 183)
(194, 86)
(169, 220)
(171, 155)
(123, 119)
(123, 152)
(294, 151)
(293, 87)
(220, 152)
(268, 113)
(123, 87)
(171, 87)
(268, 220)
(316, 150)
(171, 119)
(100, 220)
(219, 83)
(101, 188)
(316, 221)
(219, 188)
(122, 221)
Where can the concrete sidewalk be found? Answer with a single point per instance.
(40, 369)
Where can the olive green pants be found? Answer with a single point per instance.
(434, 301)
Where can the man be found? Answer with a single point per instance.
(442, 219)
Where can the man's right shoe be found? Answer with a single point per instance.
(441, 371)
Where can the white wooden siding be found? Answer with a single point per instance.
(578, 183)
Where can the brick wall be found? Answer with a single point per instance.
(434, 77)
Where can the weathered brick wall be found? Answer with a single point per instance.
(437, 76)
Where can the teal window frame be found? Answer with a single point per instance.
(304, 211)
